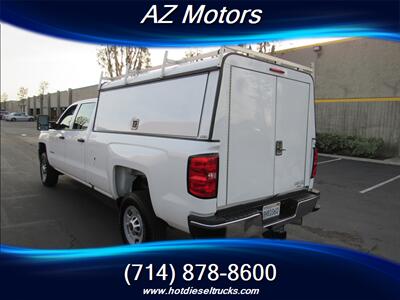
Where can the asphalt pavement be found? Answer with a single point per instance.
(360, 204)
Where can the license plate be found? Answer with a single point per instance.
(271, 210)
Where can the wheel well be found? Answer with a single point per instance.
(42, 148)
(129, 180)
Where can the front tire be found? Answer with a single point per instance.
(138, 222)
(48, 174)
(13, 120)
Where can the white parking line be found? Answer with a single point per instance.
(379, 184)
(328, 161)
(20, 197)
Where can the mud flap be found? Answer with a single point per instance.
(249, 228)
(298, 221)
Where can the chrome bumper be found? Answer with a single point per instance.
(246, 220)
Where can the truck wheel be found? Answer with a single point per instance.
(138, 223)
(48, 174)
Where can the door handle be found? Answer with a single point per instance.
(81, 140)
(61, 137)
(279, 148)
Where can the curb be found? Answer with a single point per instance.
(375, 161)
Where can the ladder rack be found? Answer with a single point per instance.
(213, 54)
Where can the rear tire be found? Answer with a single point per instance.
(138, 222)
(48, 174)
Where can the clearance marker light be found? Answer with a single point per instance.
(276, 70)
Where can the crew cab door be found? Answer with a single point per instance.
(75, 142)
(56, 145)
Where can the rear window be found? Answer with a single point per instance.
(167, 107)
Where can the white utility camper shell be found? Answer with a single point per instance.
(221, 139)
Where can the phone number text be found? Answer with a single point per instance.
(199, 272)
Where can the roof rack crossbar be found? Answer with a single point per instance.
(217, 53)
(270, 58)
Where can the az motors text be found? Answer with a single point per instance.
(164, 15)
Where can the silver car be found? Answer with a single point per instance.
(15, 116)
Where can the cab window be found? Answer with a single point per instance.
(65, 121)
(83, 116)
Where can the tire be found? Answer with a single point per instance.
(138, 222)
(48, 174)
(13, 120)
(31, 120)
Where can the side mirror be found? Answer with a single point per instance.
(42, 122)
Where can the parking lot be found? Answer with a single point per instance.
(360, 204)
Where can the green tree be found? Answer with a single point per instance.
(114, 59)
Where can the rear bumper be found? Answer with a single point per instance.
(246, 220)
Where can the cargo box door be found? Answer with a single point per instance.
(292, 101)
(251, 136)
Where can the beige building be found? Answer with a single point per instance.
(357, 87)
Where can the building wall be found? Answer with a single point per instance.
(64, 102)
(51, 104)
(10, 106)
(84, 93)
(53, 100)
(357, 87)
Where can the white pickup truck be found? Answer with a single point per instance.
(223, 145)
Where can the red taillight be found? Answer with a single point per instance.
(315, 163)
(203, 175)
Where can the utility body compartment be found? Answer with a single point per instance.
(265, 122)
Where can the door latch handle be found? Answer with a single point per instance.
(279, 148)
(61, 137)
(81, 140)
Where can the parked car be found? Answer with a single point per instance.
(16, 116)
(219, 147)
(3, 114)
